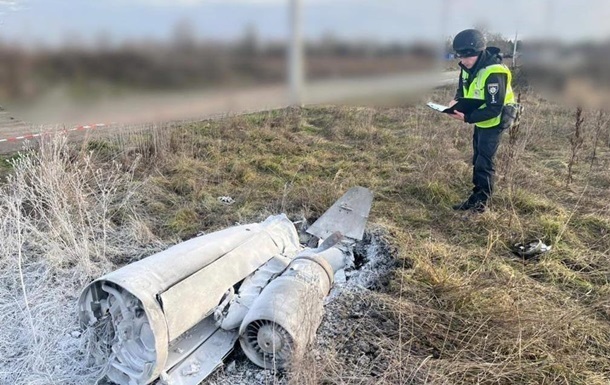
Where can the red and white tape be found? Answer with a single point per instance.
(32, 136)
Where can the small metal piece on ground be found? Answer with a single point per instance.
(530, 248)
(227, 200)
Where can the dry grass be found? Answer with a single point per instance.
(65, 220)
(462, 309)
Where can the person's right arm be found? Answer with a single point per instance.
(459, 93)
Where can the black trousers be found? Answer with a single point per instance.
(485, 142)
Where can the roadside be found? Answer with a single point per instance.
(129, 112)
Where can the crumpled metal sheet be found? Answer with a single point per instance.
(196, 296)
(348, 215)
(178, 287)
(203, 361)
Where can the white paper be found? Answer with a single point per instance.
(437, 107)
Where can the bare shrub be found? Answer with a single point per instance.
(516, 144)
(600, 123)
(65, 220)
(576, 142)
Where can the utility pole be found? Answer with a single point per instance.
(443, 34)
(550, 9)
(515, 49)
(295, 56)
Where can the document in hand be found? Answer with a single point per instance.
(464, 105)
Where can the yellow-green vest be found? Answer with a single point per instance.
(476, 90)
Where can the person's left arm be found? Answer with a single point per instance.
(495, 91)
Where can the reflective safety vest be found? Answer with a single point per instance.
(476, 90)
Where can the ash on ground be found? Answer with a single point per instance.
(371, 271)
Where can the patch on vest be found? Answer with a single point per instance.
(493, 88)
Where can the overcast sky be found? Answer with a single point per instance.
(387, 20)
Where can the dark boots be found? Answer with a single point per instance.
(473, 203)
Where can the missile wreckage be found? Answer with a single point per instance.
(172, 318)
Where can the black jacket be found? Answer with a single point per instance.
(493, 102)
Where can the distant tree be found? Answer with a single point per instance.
(483, 27)
(250, 43)
(497, 40)
(328, 42)
(449, 44)
(184, 36)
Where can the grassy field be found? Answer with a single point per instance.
(460, 309)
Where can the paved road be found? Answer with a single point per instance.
(138, 109)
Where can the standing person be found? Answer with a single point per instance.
(483, 76)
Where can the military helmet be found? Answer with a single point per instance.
(469, 42)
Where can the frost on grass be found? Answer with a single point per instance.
(64, 220)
